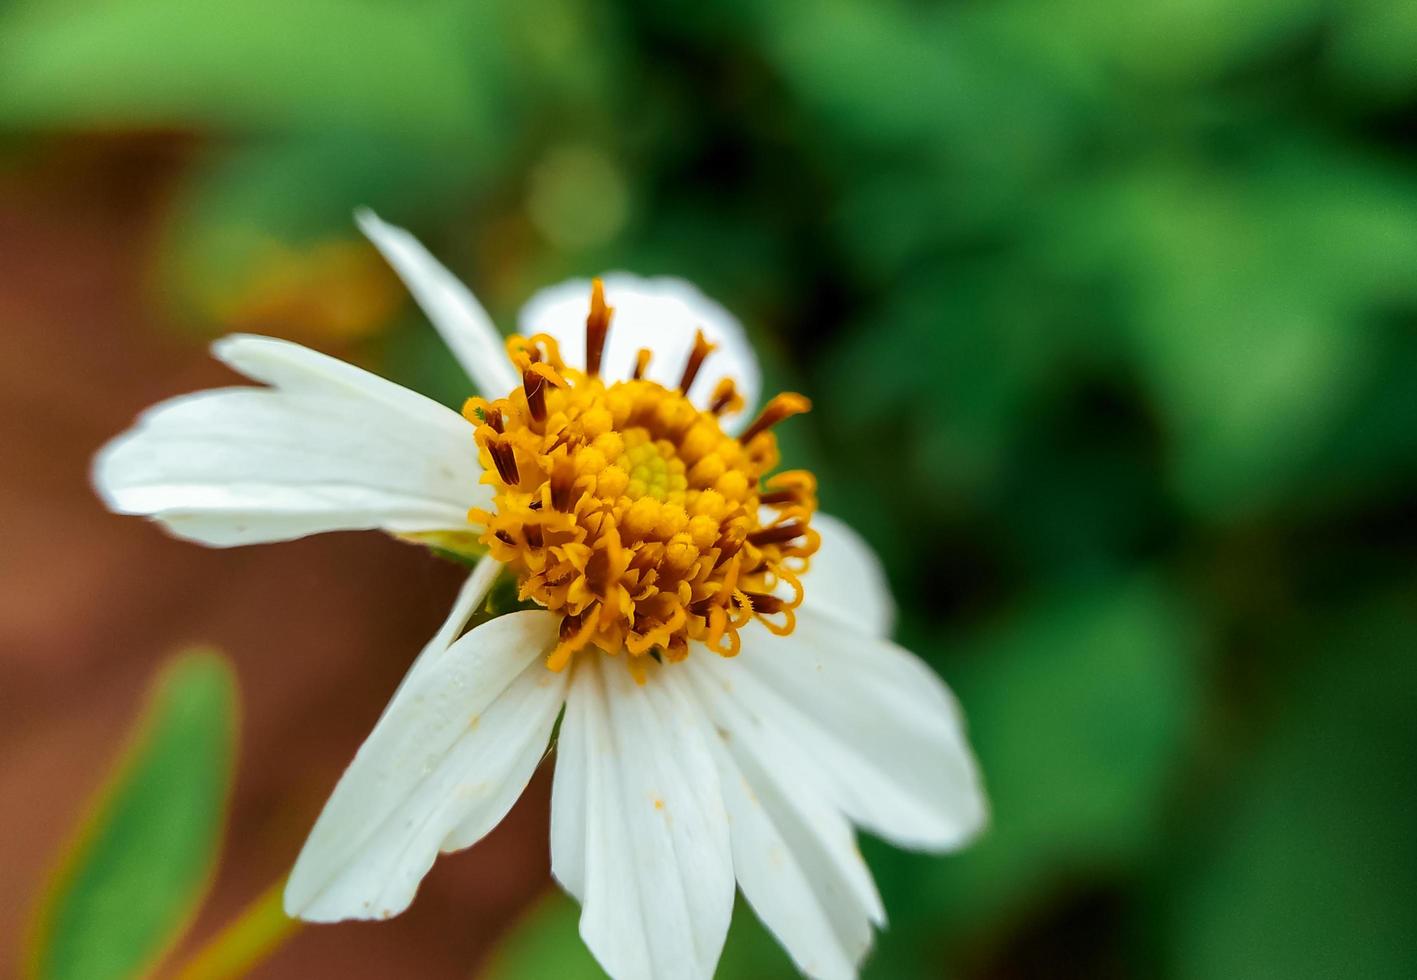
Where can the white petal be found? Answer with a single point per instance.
(448, 757)
(886, 735)
(570, 787)
(794, 853)
(847, 580)
(660, 314)
(469, 600)
(647, 851)
(450, 306)
(513, 738)
(522, 755)
(331, 447)
(285, 364)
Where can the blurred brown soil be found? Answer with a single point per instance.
(90, 603)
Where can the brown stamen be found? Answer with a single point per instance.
(678, 649)
(597, 325)
(563, 479)
(723, 396)
(493, 417)
(778, 533)
(505, 460)
(728, 545)
(641, 363)
(702, 349)
(782, 406)
(535, 386)
(570, 626)
(765, 604)
(533, 536)
(701, 607)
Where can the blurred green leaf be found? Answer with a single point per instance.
(1372, 48)
(751, 952)
(569, 55)
(400, 70)
(978, 348)
(1191, 41)
(545, 942)
(1307, 866)
(259, 222)
(1251, 303)
(145, 853)
(1079, 712)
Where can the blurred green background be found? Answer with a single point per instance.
(1109, 311)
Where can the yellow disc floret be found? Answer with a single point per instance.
(631, 513)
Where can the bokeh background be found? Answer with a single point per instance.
(1109, 311)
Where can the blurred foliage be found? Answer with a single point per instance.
(1079, 709)
(132, 879)
(1110, 315)
(543, 943)
(1310, 872)
(536, 946)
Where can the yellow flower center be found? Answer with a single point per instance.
(631, 513)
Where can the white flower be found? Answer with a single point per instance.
(645, 535)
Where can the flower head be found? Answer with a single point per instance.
(715, 647)
(629, 512)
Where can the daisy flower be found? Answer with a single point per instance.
(717, 652)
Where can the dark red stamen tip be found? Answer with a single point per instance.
(766, 604)
(506, 462)
(781, 407)
(535, 386)
(563, 480)
(702, 349)
(723, 396)
(597, 326)
(702, 607)
(778, 533)
(728, 545)
(570, 625)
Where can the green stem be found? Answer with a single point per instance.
(260, 929)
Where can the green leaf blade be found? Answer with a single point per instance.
(544, 942)
(144, 855)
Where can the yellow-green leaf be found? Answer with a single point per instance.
(143, 855)
(546, 942)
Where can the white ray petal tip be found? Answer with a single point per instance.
(450, 306)
(103, 476)
(385, 236)
(229, 348)
(964, 827)
(369, 221)
(326, 912)
(978, 823)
